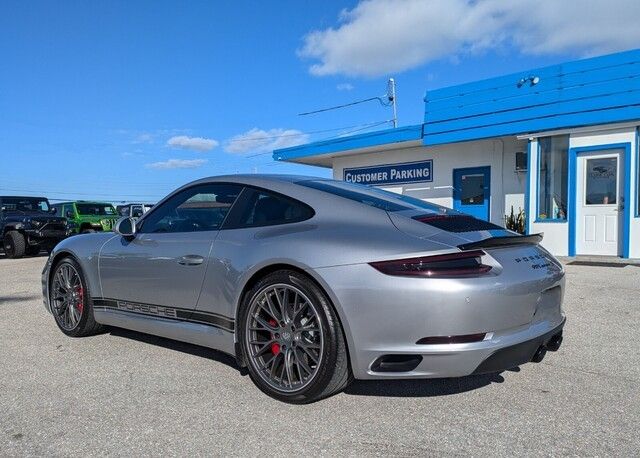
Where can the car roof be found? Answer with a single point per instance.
(256, 178)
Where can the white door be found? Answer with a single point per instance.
(599, 203)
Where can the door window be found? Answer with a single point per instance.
(553, 176)
(199, 208)
(601, 181)
(472, 189)
(267, 209)
(136, 211)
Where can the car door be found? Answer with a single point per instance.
(165, 263)
(252, 232)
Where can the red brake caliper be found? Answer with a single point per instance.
(275, 346)
(80, 292)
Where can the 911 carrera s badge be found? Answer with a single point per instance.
(538, 265)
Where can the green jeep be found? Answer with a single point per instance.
(88, 216)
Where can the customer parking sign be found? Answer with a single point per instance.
(403, 173)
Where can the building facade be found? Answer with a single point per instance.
(559, 144)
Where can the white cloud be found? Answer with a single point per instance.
(379, 37)
(177, 164)
(192, 143)
(264, 141)
(143, 138)
(345, 87)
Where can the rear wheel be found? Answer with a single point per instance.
(70, 300)
(87, 231)
(14, 244)
(292, 339)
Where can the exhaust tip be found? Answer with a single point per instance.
(396, 363)
(539, 354)
(554, 343)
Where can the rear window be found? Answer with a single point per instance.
(375, 197)
(264, 208)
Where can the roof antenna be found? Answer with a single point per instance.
(389, 99)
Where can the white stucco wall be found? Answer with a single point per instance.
(556, 237)
(507, 186)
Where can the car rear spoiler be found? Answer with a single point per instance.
(504, 241)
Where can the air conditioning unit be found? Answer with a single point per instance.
(521, 161)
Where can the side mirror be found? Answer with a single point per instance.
(125, 227)
(53, 211)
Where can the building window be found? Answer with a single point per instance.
(552, 178)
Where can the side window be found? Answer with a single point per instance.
(199, 208)
(67, 209)
(266, 209)
(136, 211)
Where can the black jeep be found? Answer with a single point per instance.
(28, 224)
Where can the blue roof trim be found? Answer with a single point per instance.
(599, 90)
(336, 145)
(591, 91)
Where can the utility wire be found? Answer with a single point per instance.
(357, 102)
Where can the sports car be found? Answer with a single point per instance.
(312, 282)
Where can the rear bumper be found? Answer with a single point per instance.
(524, 352)
(385, 318)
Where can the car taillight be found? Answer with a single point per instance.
(463, 264)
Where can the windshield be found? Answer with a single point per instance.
(96, 209)
(375, 197)
(25, 204)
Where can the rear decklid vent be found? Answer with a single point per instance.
(457, 223)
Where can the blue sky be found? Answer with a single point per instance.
(120, 100)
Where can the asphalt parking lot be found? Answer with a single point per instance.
(123, 393)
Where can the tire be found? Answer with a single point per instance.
(87, 231)
(331, 373)
(33, 250)
(86, 325)
(14, 245)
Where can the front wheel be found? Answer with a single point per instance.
(14, 244)
(70, 300)
(292, 340)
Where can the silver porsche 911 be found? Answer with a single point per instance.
(310, 283)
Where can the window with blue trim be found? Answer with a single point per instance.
(553, 175)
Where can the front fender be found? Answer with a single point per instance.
(85, 249)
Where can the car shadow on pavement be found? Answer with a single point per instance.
(421, 387)
(4, 299)
(195, 350)
(3, 257)
(387, 388)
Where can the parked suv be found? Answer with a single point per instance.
(88, 216)
(133, 210)
(29, 225)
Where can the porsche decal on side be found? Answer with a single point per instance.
(174, 313)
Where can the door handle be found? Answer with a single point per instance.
(190, 260)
